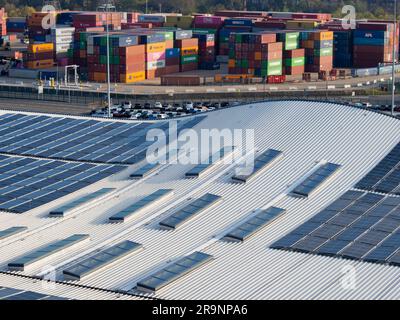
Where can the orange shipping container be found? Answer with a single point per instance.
(133, 77)
(323, 35)
(169, 44)
(155, 47)
(99, 76)
(40, 47)
(189, 51)
(257, 56)
(231, 62)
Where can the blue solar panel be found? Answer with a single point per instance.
(362, 226)
(80, 140)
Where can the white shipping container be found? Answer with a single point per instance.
(62, 31)
(64, 39)
(282, 15)
(153, 65)
(63, 47)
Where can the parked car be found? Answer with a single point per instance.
(158, 105)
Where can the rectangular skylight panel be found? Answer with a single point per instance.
(263, 161)
(254, 224)
(164, 277)
(44, 252)
(100, 260)
(65, 209)
(139, 205)
(183, 215)
(11, 232)
(315, 180)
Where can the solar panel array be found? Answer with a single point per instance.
(134, 208)
(79, 139)
(263, 161)
(42, 253)
(27, 183)
(385, 177)
(67, 208)
(359, 225)
(15, 294)
(173, 272)
(202, 168)
(188, 212)
(315, 180)
(254, 224)
(100, 260)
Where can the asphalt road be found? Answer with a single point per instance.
(153, 88)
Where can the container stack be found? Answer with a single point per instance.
(232, 26)
(343, 49)
(81, 45)
(63, 40)
(255, 54)
(319, 50)
(39, 56)
(189, 49)
(207, 52)
(373, 44)
(3, 22)
(127, 59)
(172, 60)
(16, 25)
(294, 62)
(154, 54)
(36, 33)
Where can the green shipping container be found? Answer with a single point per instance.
(103, 59)
(327, 52)
(295, 62)
(271, 64)
(189, 59)
(291, 45)
(114, 60)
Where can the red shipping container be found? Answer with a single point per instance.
(299, 70)
(172, 69)
(189, 67)
(172, 61)
(298, 53)
(276, 79)
(152, 74)
(186, 43)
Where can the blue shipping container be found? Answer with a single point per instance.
(371, 34)
(371, 41)
(152, 38)
(172, 53)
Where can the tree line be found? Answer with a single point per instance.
(371, 9)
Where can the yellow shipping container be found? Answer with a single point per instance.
(231, 63)
(41, 47)
(40, 64)
(133, 77)
(155, 47)
(301, 24)
(323, 35)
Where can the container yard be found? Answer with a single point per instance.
(272, 46)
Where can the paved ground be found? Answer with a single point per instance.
(44, 106)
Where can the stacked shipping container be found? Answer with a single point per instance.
(39, 56)
(373, 44)
(189, 49)
(255, 54)
(319, 50)
(63, 40)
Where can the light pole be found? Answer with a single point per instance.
(106, 7)
(393, 58)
